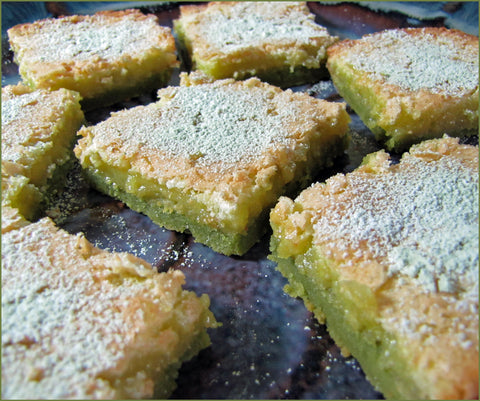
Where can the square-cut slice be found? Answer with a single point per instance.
(279, 42)
(412, 84)
(38, 134)
(106, 57)
(212, 158)
(388, 256)
(79, 322)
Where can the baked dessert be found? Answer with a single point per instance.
(38, 134)
(212, 158)
(388, 256)
(106, 326)
(408, 85)
(278, 42)
(106, 57)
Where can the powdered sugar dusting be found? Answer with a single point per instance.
(250, 24)
(16, 106)
(71, 323)
(211, 124)
(92, 37)
(430, 324)
(422, 221)
(27, 122)
(417, 62)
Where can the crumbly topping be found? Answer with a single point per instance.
(428, 324)
(14, 107)
(414, 62)
(33, 130)
(71, 323)
(422, 219)
(94, 37)
(25, 119)
(219, 125)
(251, 24)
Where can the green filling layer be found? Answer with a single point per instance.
(226, 241)
(369, 106)
(352, 327)
(219, 241)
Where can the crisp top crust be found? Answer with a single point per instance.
(222, 125)
(438, 60)
(225, 127)
(68, 329)
(29, 117)
(232, 26)
(419, 218)
(108, 35)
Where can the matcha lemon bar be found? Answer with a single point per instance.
(38, 134)
(79, 322)
(278, 42)
(212, 158)
(408, 85)
(106, 57)
(387, 256)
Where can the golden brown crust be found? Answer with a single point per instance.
(193, 8)
(330, 198)
(161, 37)
(461, 39)
(198, 17)
(466, 44)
